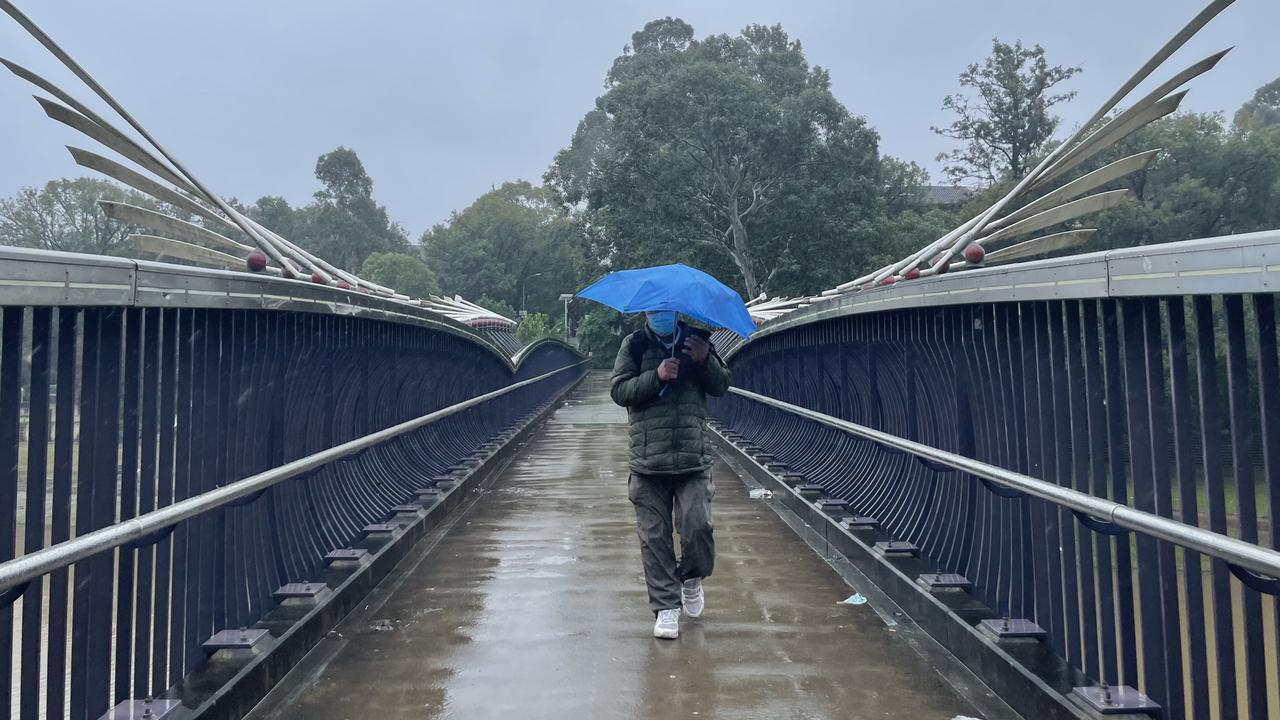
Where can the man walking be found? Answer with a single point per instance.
(663, 375)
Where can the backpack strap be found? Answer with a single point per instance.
(638, 343)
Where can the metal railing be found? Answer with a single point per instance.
(329, 408)
(1150, 412)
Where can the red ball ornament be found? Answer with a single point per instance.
(887, 281)
(911, 274)
(256, 261)
(344, 285)
(973, 253)
(941, 268)
(315, 278)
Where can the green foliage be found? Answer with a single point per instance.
(64, 215)
(534, 326)
(729, 153)
(405, 273)
(490, 303)
(343, 225)
(1008, 122)
(1263, 110)
(1209, 180)
(512, 243)
(600, 332)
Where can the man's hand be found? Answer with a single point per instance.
(698, 348)
(669, 369)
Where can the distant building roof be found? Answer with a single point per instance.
(946, 194)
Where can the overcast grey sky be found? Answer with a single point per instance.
(444, 99)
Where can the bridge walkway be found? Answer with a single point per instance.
(530, 603)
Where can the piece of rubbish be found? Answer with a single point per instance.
(760, 494)
(854, 599)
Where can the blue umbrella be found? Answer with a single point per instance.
(673, 287)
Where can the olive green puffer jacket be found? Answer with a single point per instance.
(668, 433)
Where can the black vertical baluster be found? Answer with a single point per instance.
(1098, 415)
(1142, 466)
(1243, 442)
(1136, 397)
(11, 319)
(1064, 530)
(127, 565)
(37, 487)
(172, 348)
(1117, 456)
(1180, 394)
(1269, 423)
(1035, 550)
(146, 647)
(1211, 428)
(64, 439)
(1049, 580)
(90, 424)
(188, 362)
(1161, 498)
(1078, 478)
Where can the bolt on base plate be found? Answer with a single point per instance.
(1012, 629)
(1114, 700)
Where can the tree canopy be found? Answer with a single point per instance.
(64, 215)
(728, 152)
(344, 224)
(1003, 116)
(511, 243)
(404, 272)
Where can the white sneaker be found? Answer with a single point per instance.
(668, 624)
(693, 598)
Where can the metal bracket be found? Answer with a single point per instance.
(149, 539)
(940, 581)
(380, 529)
(1012, 629)
(810, 491)
(896, 547)
(1102, 527)
(347, 556)
(1001, 491)
(301, 591)
(249, 499)
(1262, 583)
(1118, 700)
(10, 596)
(832, 506)
(934, 466)
(242, 639)
(142, 710)
(860, 522)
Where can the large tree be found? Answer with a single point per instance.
(404, 272)
(1003, 116)
(511, 243)
(730, 152)
(344, 224)
(64, 215)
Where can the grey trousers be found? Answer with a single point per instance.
(656, 499)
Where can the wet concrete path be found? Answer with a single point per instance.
(533, 606)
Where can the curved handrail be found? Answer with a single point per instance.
(21, 570)
(54, 278)
(1230, 265)
(1228, 549)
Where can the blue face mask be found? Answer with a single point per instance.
(662, 323)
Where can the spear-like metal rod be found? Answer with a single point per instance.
(1177, 41)
(44, 39)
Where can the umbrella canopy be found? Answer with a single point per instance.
(677, 287)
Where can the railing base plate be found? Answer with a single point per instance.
(1012, 629)
(1115, 700)
(937, 582)
(139, 709)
